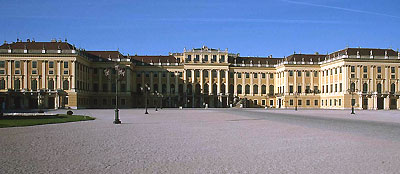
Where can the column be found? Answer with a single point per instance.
(218, 82)
(295, 81)
(386, 103)
(372, 81)
(152, 82)
(251, 83)
(346, 78)
(267, 87)
(9, 72)
(286, 81)
(235, 83)
(201, 79)
(259, 84)
(243, 83)
(193, 77)
(227, 82)
(303, 81)
(73, 74)
(25, 83)
(387, 82)
(159, 82)
(359, 76)
(58, 77)
(312, 80)
(100, 73)
(168, 82)
(176, 83)
(44, 75)
(184, 83)
(210, 80)
(128, 79)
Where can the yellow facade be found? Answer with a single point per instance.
(58, 75)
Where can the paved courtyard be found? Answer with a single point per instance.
(208, 141)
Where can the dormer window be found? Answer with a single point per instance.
(222, 58)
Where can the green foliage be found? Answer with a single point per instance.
(16, 121)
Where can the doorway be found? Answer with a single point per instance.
(380, 103)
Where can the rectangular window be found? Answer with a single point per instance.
(34, 71)
(255, 75)
(51, 64)
(299, 102)
(197, 58)
(147, 74)
(291, 89)
(271, 76)
(205, 58)
(340, 70)
(379, 69)
(335, 70)
(222, 58)
(340, 87)
(239, 75)
(379, 76)
(290, 73)
(336, 89)
(353, 69)
(247, 75)
(17, 72)
(263, 102)
(51, 72)
(291, 102)
(214, 58)
(2, 64)
(316, 102)
(322, 102)
(2, 71)
(255, 102)
(271, 103)
(65, 64)
(298, 73)
(307, 73)
(34, 64)
(340, 102)
(231, 74)
(365, 76)
(263, 75)
(17, 64)
(189, 58)
(392, 69)
(352, 76)
(65, 71)
(334, 102)
(315, 74)
(299, 89)
(308, 90)
(330, 102)
(393, 76)
(365, 69)
(308, 102)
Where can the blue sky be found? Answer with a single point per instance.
(251, 28)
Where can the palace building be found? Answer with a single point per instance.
(56, 74)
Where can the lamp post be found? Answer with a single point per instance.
(119, 74)
(157, 94)
(145, 89)
(352, 90)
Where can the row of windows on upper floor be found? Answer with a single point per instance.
(34, 84)
(197, 74)
(34, 65)
(205, 58)
(378, 76)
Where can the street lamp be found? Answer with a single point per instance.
(119, 74)
(157, 94)
(352, 90)
(146, 89)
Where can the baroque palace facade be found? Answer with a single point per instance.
(58, 75)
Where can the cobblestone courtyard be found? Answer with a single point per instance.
(208, 141)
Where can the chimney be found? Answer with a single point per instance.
(28, 40)
(17, 39)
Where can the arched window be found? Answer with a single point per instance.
(155, 87)
(231, 88)
(392, 88)
(365, 87)
(189, 89)
(352, 87)
(17, 84)
(255, 89)
(223, 88)
(164, 88)
(247, 89)
(271, 89)
(263, 89)
(214, 89)
(197, 89)
(379, 88)
(51, 84)
(172, 88)
(66, 85)
(206, 87)
(239, 89)
(2, 84)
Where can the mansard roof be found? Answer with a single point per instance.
(364, 52)
(306, 57)
(254, 60)
(154, 59)
(105, 54)
(38, 45)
